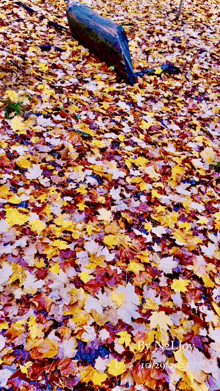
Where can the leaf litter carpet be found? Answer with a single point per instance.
(109, 202)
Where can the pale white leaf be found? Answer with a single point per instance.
(34, 172)
(5, 273)
(89, 334)
(5, 374)
(159, 231)
(100, 364)
(93, 304)
(91, 246)
(3, 226)
(209, 250)
(41, 121)
(2, 342)
(167, 264)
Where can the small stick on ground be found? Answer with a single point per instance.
(179, 11)
(21, 69)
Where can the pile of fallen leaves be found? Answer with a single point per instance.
(109, 202)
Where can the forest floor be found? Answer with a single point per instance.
(109, 202)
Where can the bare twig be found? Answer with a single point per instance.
(21, 69)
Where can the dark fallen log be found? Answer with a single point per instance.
(29, 9)
(82, 134)
(42, 17)
(108, 40)
(56, 25)
(166, 68)
(102, 36)
(47, 48)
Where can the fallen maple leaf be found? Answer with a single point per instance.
(110, 240)
(160, 319)
(180, 285)
(17, 124)
(45, 348)
(14, 217)
(37, 226)
(116, 367)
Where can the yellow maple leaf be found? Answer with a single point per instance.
(135, 267)
(60, 244)
(150, 304)
(202, 220)
(118, 298)
(55, 268)
(43, 66)
(85, 276)
(141, 161)
(178, 170)
(144, 256)
(87, 374)
(169, 220)
(143, 186)
(12, 95)
(105, 105)
(216, 308)
(104, 214)
(98, 378)
(181, 361)
(24, 368)
(110, 240)
(179, 236)
(48, 92)
(23, 162)
(150, 337)
(145, 125)
(4, 191)
(125, 338)
(39, 263)
(208, 154)
(14, 200)
(13, 217)
(148, 226)
(158, 71)
(208, 282)
(121, 137)
(187, 226)
(180, 285)
(17, 123)
(18, 274)
(98, 143)
(160, 319)
(155, 194)
(19, 325)
(153, 174)
(37, 226)
(4, 326)
(82, 206)
(116, 367)
(67, 225)
(211, 268)
(82, 189)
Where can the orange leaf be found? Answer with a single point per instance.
(46, 349)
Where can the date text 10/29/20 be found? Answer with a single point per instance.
(164, 365)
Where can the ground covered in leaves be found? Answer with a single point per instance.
(109, 202)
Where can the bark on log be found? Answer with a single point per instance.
(102, 36)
